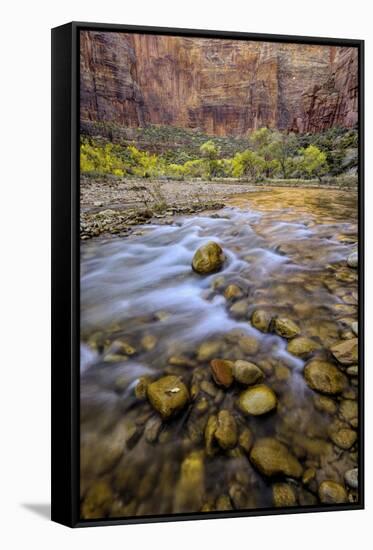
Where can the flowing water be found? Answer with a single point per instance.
(144, 312)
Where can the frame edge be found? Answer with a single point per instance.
(62, 494)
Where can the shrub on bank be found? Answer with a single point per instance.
(268, 154)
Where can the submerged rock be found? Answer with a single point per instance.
(324, 377)
(141, 387)
(308, 476)
(302, 346)
(344, 438)
(352, 260)
(352, 478)
(218, 283)
(97, 501)
(133, 435)
(348, 409)
(122, 347)
(223, 502)
(238, 495)
(353, 370)
(246, 439)
(209, 388)
(261, 320)
(168, 395)
(226, 431)
(331, 492)
(189, 491)
(257, 400)
(272, 458)
(346, 352)
(208, 258)
(152, 429)
(282, 373)
(222, 372)
(207, 350)
(283, 495)
(247, 373)
(285, 327)
(232, 292)
(239, 309)
(181, 361)
(324, 404)
(210, 430)
(248, 344)
(148, 342)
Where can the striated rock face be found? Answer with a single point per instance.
(335, 102)
(108, 87)
(219, 86)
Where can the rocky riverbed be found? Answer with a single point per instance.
(219, 361)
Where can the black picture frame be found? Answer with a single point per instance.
(65, 270)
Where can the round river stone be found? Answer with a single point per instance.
(331, 492)
(273, 458)
(208, 258)
(286, 328)
(247, 373)
(261, 320)
(257, 400)
(324, 377)
(168, 395)
(302, 346)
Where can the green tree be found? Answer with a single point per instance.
(177, 171)
(194, 168)
(210, 151)
(101, 159)
(276, 148)
(313, 162)
(282, 149)
(143, 163)
(260, 140)
(249, 164)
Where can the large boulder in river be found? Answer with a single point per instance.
(208, 258)
(257, 400)
(168, 395)
(273, 458)
(324, 377)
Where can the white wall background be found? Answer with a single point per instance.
(25, 272)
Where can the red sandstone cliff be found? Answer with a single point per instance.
(220, 86)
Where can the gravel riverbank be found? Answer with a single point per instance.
(115, 206)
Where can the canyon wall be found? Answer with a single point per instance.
(222, 87)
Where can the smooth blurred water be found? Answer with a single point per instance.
(143, 285)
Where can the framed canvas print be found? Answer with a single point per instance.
(207, 276)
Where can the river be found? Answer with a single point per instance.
(144, 312)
